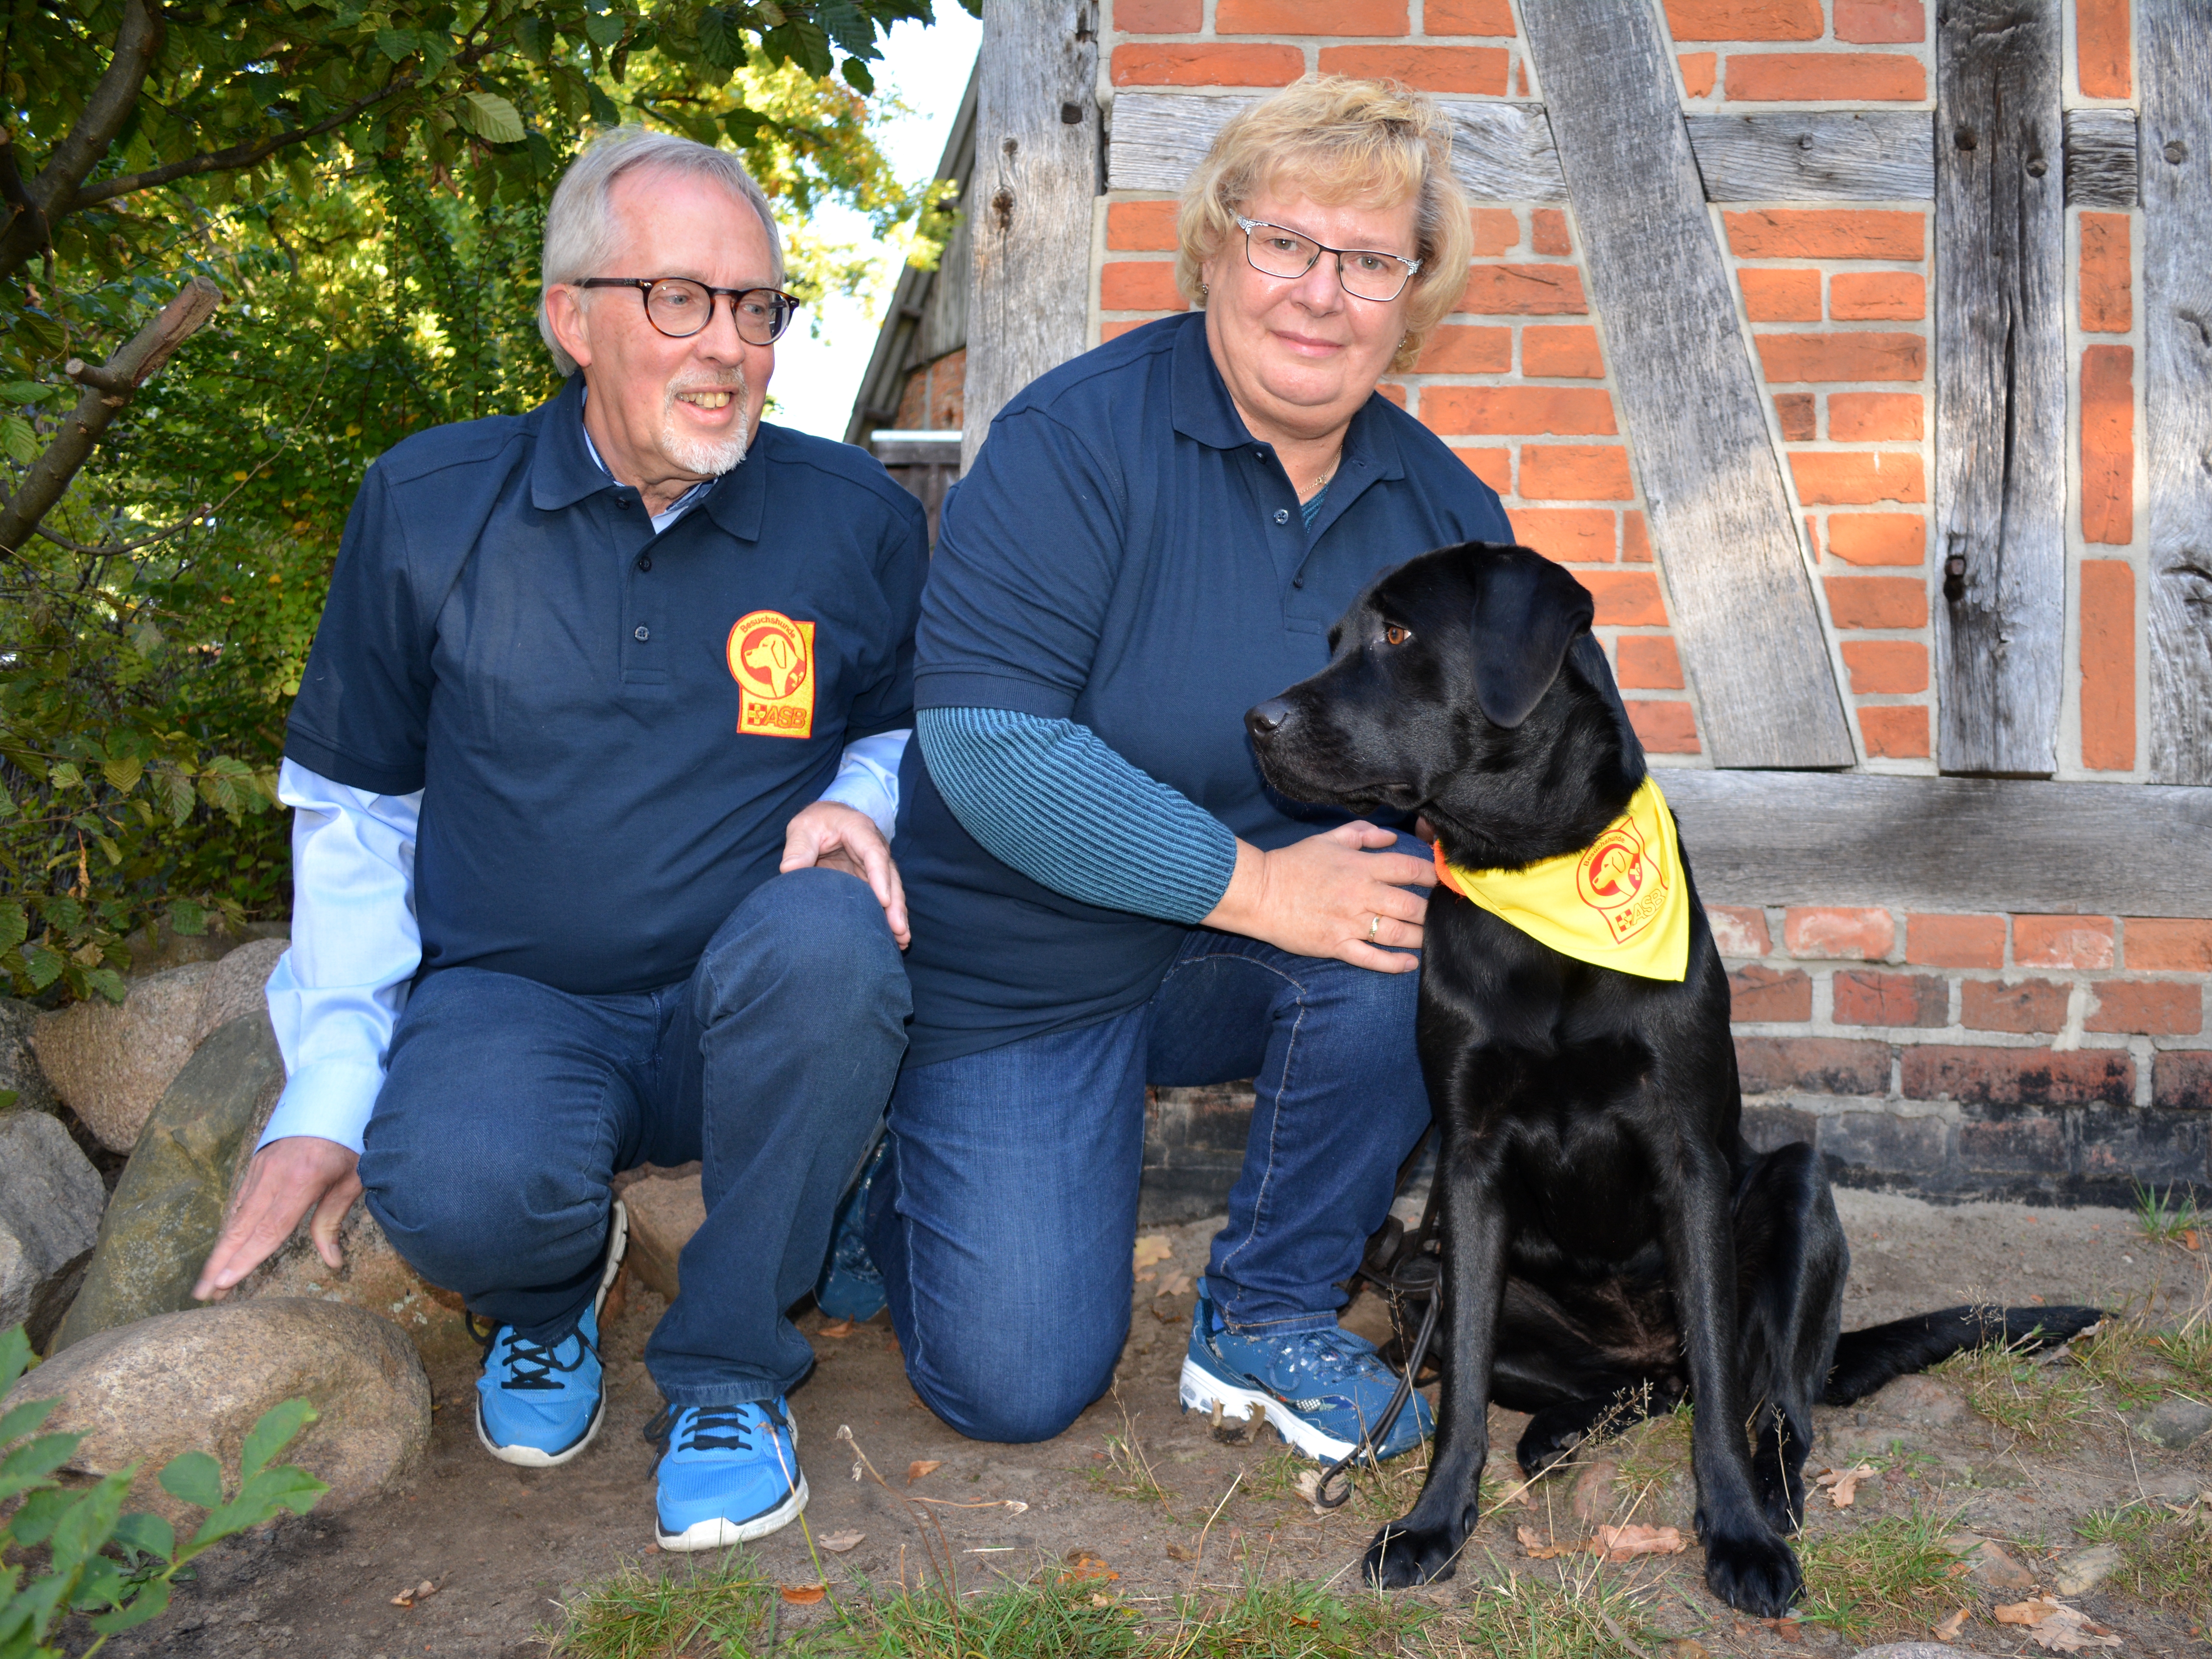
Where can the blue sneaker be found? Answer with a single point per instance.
(727, 1474)
(538, 1406)
(851, 1285)
(1320, 1388)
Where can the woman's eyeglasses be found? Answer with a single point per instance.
(1365, 273)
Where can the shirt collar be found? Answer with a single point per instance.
(1202, 408)
(566, 469)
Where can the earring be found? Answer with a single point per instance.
(1205, 288)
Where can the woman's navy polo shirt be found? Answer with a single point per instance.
(1124, 555)
(505, 633)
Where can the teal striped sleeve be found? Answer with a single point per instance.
(1051, 799)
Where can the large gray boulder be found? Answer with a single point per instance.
(19, 1065)
(199, 1382)
(51, 1198)
(168, 1205)
(111, 1062)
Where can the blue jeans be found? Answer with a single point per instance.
(508, 1105)
(1005, 1218)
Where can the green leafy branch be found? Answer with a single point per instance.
(116, 1568)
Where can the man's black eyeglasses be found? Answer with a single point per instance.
(680, 308)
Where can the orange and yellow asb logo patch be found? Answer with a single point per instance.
(1616, 878)
(772, 660)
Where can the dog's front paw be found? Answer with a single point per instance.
(1755, 1573)
(1782, 1499)
(1402, 1556)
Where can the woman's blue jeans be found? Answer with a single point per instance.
(508, 1105)
(1005, 1216)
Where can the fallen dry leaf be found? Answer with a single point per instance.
(842, 1328)
(1843, 1485)
(2054, 1626)
(421, 1592)
(1153, 1247)
(1146, 1277)
(804, 1596)
(1619, 1543)
(923, 1466)
(1788, 1629)
(2190, 1240)
(1174, 1285)
(1181, 1552)
(1088, 1563)
(1015, 1506)
(1683, 1647)
(1949, 1630)
(1538, 1548)
(838, 1542)
(1305, 1624)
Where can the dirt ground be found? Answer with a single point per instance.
(505, 1548)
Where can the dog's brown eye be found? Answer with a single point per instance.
(1393, 635)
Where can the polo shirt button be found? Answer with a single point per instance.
(645, 562)
(641, 632)
(1282, 515)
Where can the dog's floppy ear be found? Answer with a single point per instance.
(1526, 612)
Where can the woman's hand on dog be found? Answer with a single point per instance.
(1322, 896)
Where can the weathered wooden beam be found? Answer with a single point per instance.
(2101, 158)
(2126, 849)
(2000, 386)
(1744, 614)
(1501, 152)
(1835, 155)
(1029, 205)
(2176, 197)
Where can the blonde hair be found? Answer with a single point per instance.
(1334, 139)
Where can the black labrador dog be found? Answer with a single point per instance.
(1611, 1242)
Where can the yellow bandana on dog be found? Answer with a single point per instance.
(1622, 902)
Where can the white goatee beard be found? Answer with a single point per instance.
(708, 457)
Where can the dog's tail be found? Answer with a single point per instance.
(1866, 1360)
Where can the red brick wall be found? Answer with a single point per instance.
(2024, 1053)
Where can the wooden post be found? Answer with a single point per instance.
(2177, 195)
(1037, 163)
(2000, 500)
(1743, 609)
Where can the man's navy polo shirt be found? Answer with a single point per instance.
(505, 633)
(1124, 555)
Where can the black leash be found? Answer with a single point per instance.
(1423, 1272)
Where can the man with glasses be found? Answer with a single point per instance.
(595, 764)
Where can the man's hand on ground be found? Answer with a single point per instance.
(287, 1178)
(835, 836)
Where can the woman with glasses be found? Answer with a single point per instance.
(1155, 537)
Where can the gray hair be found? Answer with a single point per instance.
(581, 235)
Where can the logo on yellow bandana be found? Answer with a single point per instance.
(772, 660)
(1621, 902)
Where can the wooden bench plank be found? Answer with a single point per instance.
(2177, 195)
(1834, 156)
(2000, 388)
(1958, 844)
(1029, 203)
(1501, 152)
(1721, 527)
(2101, 158)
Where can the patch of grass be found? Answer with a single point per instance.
(1059, 1617)
(1124, 1470)
(2113, 1360)
(1656, 1449)
(722, 1612)
(2164, 1221)
(1585, 1613)
(2189, 1350)
(1887, 1577)
(2166, 1552)
(1290, 1621)
(2045, 1403)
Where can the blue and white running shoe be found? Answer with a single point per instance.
(1320, 1388)
(539, 1405)
(727, 1474)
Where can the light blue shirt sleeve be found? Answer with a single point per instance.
(868, 777)
(336, 993)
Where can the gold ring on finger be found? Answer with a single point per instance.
(1374, 927)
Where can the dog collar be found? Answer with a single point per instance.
(1621, 902)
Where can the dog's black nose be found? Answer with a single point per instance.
(1266, 720)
